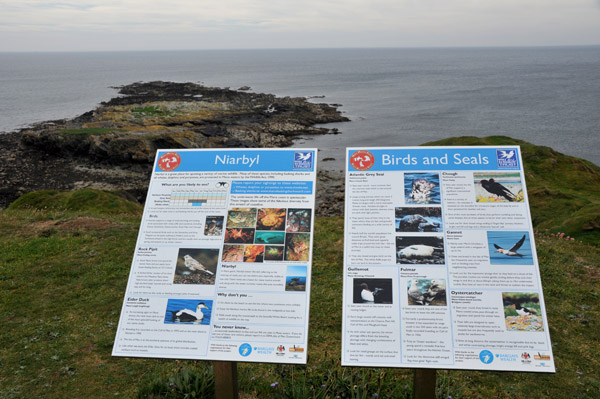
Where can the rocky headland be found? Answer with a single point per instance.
(112, 147)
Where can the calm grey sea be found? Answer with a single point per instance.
(548, 96)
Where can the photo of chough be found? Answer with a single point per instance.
(241, 217)
(426, 292)
(372, 290)
(196, 266)
(498, 187)
(419, 219)
(420, 250)
(298, 220)
(239, 235)
(422, 188)
(271, 219)
(522, 311)
(213, 226)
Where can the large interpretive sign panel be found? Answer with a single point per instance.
(440, 267)
(222, 265)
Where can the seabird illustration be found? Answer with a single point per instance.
(416, 295)
(417, 251)
(304, 157)
(498, 189)
(187, 315)
(523, 311)
(193, 264)
(506, 154)
(513, 250)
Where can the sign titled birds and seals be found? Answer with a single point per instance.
(440, 268)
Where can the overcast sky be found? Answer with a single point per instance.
(75, 25)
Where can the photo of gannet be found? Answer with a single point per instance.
(509, 248)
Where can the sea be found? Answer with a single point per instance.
(393, 96)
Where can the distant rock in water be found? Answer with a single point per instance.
(149, 116)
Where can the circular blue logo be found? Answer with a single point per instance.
(245, 350)
(486, 357)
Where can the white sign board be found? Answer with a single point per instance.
(222, 264)
(440, 267)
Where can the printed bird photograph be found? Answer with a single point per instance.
(522, 311)
(372, 290)
(509, 248)
(196, 266)
(426, 292)
(188, 311)
(498, 187)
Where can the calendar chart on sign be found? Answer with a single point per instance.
(204, 199)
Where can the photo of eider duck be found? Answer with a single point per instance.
(420, 250)
(422, 188)
(372, 291)
(419, 219)
(196, 266)
(509, 248)
(522, 311)
(498, 187)
(188, 311)
(426, 292)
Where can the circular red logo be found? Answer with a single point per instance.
(362, 160)
(169, 161)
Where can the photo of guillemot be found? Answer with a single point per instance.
(420, 250)
(498, 187)
(196, 266)
(213, 226)
(188, 311)
(419, 219)
(295, 279)
(422, 188)
(426, 292)
(522, 311)
(509, 248)
(372, 291)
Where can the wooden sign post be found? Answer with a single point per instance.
(226, 381)
(424, 384)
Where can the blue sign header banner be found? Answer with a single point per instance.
(233, 160)
(433, 158)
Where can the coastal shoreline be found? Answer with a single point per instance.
(112, 147)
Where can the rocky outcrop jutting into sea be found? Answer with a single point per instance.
(112, 147)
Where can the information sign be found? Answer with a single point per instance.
(440, 267)
(222, 265)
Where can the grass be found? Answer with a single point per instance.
(61, 291)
